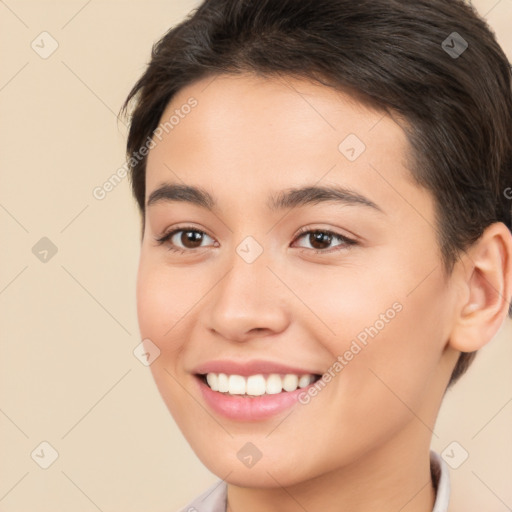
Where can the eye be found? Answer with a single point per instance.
(184, 239)
(188, 238)
(323, 241)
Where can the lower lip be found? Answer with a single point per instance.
(244, 408)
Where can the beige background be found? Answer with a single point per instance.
(68, 375)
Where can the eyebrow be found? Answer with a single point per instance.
(286, 199)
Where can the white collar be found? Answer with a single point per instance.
(441, 479)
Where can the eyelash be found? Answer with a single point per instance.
(346, 242)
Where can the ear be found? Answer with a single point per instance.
(485, 276)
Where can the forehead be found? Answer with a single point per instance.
(274, 133)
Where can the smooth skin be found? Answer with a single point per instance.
(363, 442)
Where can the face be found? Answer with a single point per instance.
(285, 240)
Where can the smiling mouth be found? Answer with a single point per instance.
(258, 384)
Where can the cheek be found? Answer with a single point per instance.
(388, 332)
(153, 305)
(165, 297)
(395, 374)
(348, 304)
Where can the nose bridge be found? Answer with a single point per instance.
(248, 297)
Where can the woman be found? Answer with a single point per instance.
(325, 240)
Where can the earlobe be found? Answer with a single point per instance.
(487, 276)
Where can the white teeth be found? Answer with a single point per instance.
(223, 383)
(213, 381)
(305, 380)
(290, 382)
(274, 384)
(237, 385)
(257, 385)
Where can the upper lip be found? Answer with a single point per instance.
(247, 368)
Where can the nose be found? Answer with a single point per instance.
(248, 302)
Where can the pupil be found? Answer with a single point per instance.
(191, 239)
(320, 240)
